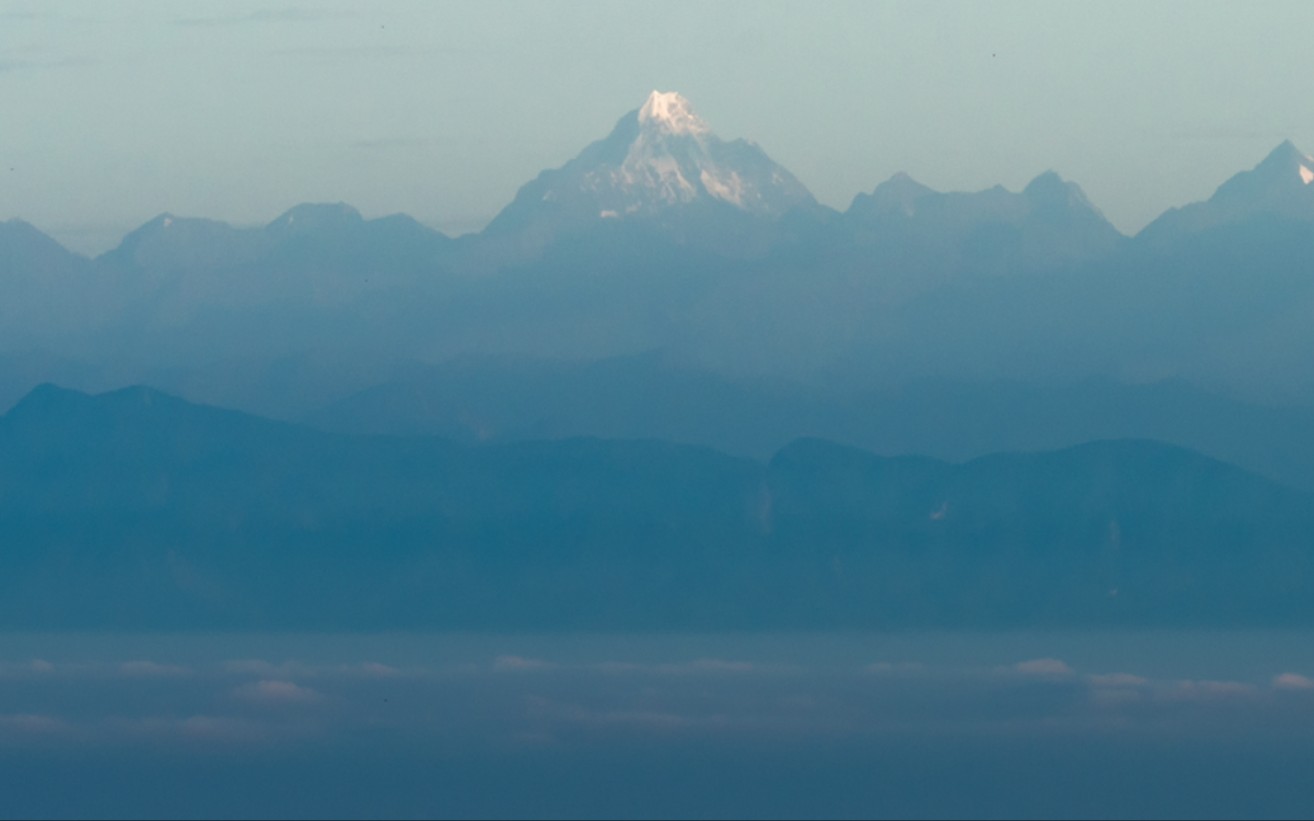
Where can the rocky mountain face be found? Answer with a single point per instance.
(661, 168)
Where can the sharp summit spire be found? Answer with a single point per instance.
(670, 112)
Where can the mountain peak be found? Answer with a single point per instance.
(16, 234)
(1286, 172)
(1049, 190)
(671, 113)
(1045, 181)
(1281, 186)
(175, 243)
(1287, 162)
(1287, 150)
(902, 181)
(661, 166)
(899, 193)
(316, 215)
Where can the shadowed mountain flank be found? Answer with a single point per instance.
(138, 509)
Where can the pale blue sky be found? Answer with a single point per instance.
(114, 112)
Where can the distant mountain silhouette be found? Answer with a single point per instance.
(1280, 187)
(719, 258)
(135, 509)
(656, 395)
(329, 237)
(1049, 224)
(43, 286)
(25, 250)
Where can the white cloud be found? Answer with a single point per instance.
(35, 666)
(374, 669)
(1045, 668)
(1208, 690)
(220, 728)
(277, 692)
(28, 724)
(200, 727)
(1293, 681)
(264, 669)
(504, 664)
(1117, 680)
(714, 666)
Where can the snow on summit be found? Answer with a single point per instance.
(670, 112)
(659, 160)
(673, 158)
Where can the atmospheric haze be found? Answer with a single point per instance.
(618, 410)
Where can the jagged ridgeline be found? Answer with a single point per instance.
(663, 236)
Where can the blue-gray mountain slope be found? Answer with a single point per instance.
(135, 509)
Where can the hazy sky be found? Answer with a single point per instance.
(115, 112)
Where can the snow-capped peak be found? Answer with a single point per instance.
(661, 165)
(1306, 175)
(671, 113)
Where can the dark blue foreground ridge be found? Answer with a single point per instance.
(135, 509)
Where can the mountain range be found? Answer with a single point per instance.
(667, 347)
(664, 236)
(134, 509)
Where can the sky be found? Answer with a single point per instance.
(117, 112)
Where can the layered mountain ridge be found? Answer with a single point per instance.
(663, 157)
(664, 237)
(664, 374)
(1050, 222)
(134, 509)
